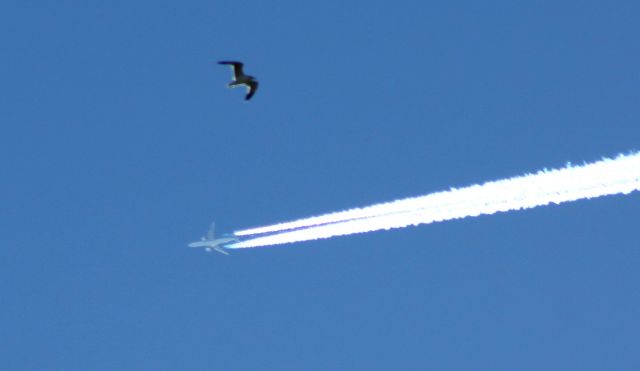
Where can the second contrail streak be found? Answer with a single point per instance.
(606, 177)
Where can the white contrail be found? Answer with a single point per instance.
(605, 177)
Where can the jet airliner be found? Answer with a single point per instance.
(209, 242)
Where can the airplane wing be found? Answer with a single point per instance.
(220, 250)
(211, 231)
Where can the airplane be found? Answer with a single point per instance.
(239, 78)
(211, 243)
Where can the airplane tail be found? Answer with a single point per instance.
(211, 231)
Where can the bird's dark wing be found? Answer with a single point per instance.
(237, 67)
(252, 86)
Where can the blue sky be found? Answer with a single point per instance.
(120, 144)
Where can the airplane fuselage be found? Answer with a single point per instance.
(213, 243)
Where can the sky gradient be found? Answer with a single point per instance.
(120, 144)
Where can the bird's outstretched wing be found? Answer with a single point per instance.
(237, 67)
(252, 86)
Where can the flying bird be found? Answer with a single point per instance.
(239, 78)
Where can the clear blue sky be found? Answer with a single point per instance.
(120, 144)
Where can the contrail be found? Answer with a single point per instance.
(571, 183)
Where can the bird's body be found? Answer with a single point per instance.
(239, 78)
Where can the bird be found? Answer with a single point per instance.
(239, 78)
